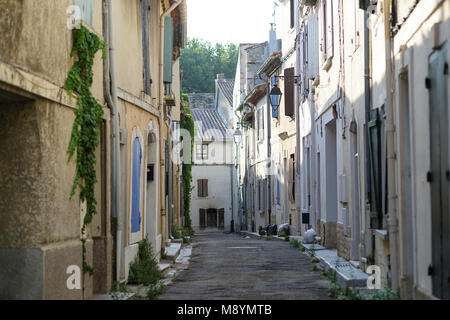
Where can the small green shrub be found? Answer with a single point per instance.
(386, 294)
(295, 243)
(351, 294)
(282, 234)
(154, 290)
(144, 269)
(334, 290)
(118, 289)
(177, 232)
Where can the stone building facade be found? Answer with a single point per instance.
(139, 90)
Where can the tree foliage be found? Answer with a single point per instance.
(201, 62)
(187, 123)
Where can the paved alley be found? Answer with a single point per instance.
(229, 266)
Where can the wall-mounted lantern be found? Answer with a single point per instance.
(275, 97)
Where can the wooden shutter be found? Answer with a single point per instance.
(146, 45)
(168, 50)
(313, 46)
(264, 194)
(291, 178)
(205, 187)
(202, 213)
(259, 194)
(136, 187)
(278, 185)
(303, 62)
(329, 30)
(289, 92)
(439, 175)
(200, 188)
(292, 8)
(375, 169)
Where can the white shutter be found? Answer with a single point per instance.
(322, 30)
(330, 29)
(313, 46)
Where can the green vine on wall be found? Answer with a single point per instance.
(187, 123)
(86, 127)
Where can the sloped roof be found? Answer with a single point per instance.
(209, 125)
(227, 87)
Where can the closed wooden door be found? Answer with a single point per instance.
(221, 219)
(211, 218)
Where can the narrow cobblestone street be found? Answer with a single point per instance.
(229, 266)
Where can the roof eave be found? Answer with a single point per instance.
(270, 65)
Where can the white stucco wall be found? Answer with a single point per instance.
(219, 192)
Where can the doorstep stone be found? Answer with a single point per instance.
(312, 246)
(164, 267)
(173, 251)
(347, 274)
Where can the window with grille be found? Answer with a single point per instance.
(201, 151)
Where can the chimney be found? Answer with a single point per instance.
(221, 77)
(273, 45)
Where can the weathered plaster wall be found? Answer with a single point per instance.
(219, 192)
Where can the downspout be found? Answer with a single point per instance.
(110, 92)
(269, 153)
(161, 92)
(299, 148)
(232, 198)
(390, 147)
(368, 242)
(237, 166)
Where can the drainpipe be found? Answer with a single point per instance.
(110, 92)
(232, 197)
(368, 242)
(390, 140)
(161, 85)
(299, 148)
(239, 210)
(269, 153)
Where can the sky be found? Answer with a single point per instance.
(223, 21)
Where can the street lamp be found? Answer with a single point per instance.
(275, 97)
(238, 136)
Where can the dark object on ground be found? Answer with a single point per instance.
(272, 230)
(284, 228)
(262, 231)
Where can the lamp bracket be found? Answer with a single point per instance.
(296, 78)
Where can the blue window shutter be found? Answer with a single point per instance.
(136, 187)
(168, 49)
